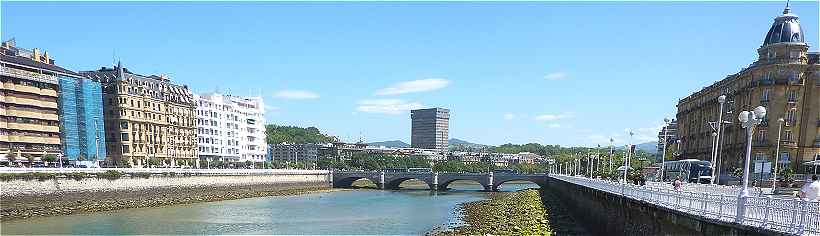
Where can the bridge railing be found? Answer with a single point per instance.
(785, 215)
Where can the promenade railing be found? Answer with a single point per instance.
(785, 215)
(166, 170)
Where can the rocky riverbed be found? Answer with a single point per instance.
(21, 207)
(505, 213)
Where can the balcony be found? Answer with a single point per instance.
(28, 89)
(28, 101)
(33, 127)
(31, 114)
(33, 139)
(28, 75)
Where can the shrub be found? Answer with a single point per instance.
(43, 176)
(167, 174)
(110, 175)
(143, 175)
(76, 176)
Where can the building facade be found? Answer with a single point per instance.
(785, 79)
(671, 132)
(149, 120)
(430, 128)
(230, 128)
(281, 153)
(29, 103)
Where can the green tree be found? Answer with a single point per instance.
(291, 134)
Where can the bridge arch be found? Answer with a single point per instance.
(498, 184)
(443, 185)
(396, 182)
(347, 182)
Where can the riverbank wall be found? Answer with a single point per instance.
(603, 213)
(62, 195)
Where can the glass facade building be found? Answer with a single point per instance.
(81, 118)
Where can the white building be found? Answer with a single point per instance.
(230, 128)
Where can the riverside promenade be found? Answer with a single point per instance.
(716, 205)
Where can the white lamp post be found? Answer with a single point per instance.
(714, 155)
(721, 100)
(748, 120)
(611, 141)
(665, 139)
(777, 154)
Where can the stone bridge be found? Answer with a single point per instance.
(435, 181)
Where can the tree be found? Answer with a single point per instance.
(12, 156)
(153, 162)
(81, 157)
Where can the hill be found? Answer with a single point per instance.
(648, 147)
(458, 144)
(277, 134)
(394, 144)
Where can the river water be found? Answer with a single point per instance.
(361, 211)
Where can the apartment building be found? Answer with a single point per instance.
(430, 128)
(785, 79)
(230, 128)
(29, 103)
(149, 120)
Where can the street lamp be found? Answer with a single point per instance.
(611, 141)
(721, 100)
(665, 140)
(777, 154)
(748, 120)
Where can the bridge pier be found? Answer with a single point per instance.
(380, 184)
(434, 187)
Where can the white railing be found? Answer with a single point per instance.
(167, 170)
(712, 188)
(785, 215)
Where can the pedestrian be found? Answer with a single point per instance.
(810, 191)
(677, 183)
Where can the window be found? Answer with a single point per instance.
(761, 136)
(794, 54)
(124, 125)
(787, 135)
(790, 117)
(124, 137)
(792, 96)
(125, 149)
(765, 96)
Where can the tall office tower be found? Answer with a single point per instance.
(430, 128)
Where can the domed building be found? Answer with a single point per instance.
(786, 80)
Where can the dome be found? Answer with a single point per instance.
(785, 29)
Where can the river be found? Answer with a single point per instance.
(360, 211)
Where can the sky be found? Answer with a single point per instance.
(573, 74)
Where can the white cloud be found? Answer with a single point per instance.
(552, 117)
(509, 116)
(555, 76)
(271, 108)
(387, 106)
(296, 94)
(556, 125)
(414, 86)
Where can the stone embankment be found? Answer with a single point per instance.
(62, 196)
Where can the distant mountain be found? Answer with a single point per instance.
(461, 143)
(648, 147)
(394, 144)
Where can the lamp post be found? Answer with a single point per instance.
(748, 120)
(665, 139)
(628, 154)
(721, 100)
(777, 154)
(611, 141)
(714, 155)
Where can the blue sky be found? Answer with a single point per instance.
(547, 72)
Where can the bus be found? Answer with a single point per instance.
(420, 170)
(505, 171)
(689, 170)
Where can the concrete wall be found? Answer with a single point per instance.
(91, 184)
(603, 213)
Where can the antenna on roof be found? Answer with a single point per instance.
(787, 10)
